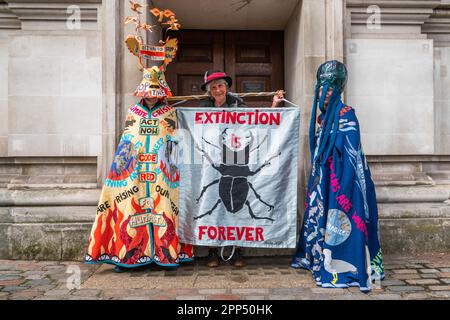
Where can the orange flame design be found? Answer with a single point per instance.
(136, 207)
(117, 223)
(157, 201)
(101, 239)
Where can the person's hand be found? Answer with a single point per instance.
(277, 99)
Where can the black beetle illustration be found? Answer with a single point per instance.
(233, 183)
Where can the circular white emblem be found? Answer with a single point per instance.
(338, 227)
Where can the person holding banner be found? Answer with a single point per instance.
(137, 215)
(339, 240)
(217, 85)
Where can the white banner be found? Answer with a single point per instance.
(238, 176)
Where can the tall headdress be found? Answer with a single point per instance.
(331, 74)
(153, 84)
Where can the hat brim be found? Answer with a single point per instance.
(226, 78)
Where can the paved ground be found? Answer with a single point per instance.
(407, 277)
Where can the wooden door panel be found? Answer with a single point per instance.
(253, 53)
(198, 51)
(253, 84)
(190, 83)
(253, 59)
(249, 69)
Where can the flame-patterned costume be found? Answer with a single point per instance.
(137, 215)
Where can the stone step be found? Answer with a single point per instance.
(402, 179)
(60, 214)
(442, 177)
(409, 210)
(50, 197)
(411, 228)
(413, 194)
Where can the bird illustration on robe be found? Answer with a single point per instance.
(336, 266)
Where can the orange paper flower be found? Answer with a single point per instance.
(135, 6)
(173, 23)
(161, 14)
(129, 20)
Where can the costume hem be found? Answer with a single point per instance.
(338, 285)
(328, 285)
(139, 265)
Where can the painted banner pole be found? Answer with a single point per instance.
(205, 96)
(183, 99)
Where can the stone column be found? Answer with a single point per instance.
(8, 24)
(437, 27)
(314, 34)
(111, 72)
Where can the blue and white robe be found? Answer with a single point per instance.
(339, 241)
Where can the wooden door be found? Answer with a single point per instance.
(198, 52)
(253, 59)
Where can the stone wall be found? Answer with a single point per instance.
(54, 87)
(397, 57)
(51, 90)
(50, 126)
(391, 88)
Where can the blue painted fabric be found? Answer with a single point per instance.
(339, 241)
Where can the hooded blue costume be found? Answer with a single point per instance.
(339, 241)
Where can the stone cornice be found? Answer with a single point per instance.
(56, 10)
(393, 12)
(429, 18)
(8, 20)
(439, 22)
(46, 15)
(407, 4)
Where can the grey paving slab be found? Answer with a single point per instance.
(425, 276)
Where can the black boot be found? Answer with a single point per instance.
(213, 258)
(238, 259)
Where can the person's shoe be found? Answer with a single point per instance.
(238, 259)
(213, 259)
